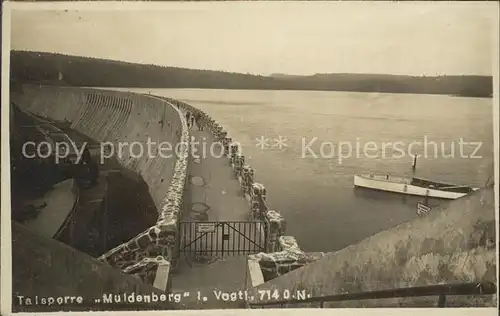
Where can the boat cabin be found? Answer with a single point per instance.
(441, 186)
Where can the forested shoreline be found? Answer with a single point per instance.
(58, 69)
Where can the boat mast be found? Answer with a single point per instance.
(426, 199)
(414, 166)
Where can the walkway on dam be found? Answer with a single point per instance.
(212, 185)
(212, 182)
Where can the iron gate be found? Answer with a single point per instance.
(219, 239)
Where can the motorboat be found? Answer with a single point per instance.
(412, 186)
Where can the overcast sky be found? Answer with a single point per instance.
(263, 38)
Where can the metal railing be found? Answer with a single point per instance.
(441, 291)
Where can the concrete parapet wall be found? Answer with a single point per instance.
(452, 244)
(115, 118)
(254, 276)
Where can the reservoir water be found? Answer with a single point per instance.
(308, 174)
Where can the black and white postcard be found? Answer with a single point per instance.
(249, 155)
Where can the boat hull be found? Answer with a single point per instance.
(402, 186)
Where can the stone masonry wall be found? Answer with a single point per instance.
(282, 252)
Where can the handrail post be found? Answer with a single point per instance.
(442, 300)
(222, 243)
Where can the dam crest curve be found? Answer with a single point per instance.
(454, 243)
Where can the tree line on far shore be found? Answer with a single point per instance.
(48, 68)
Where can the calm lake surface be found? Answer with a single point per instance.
(315, 194)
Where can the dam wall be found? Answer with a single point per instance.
(115, 117)
(124, 123)
(454, 243)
